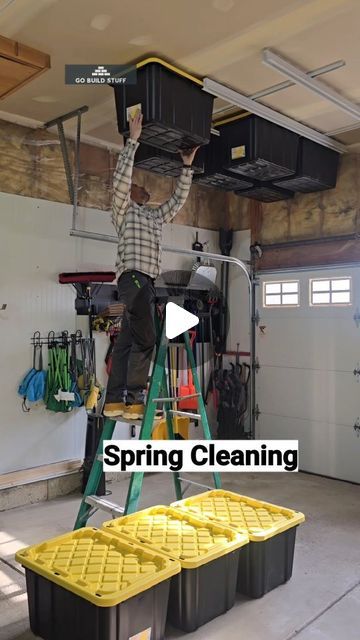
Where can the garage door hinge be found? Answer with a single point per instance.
(356, 372)
(356, 317)
(256, 318)
(257, 412)
(256, 365)
(357, 427)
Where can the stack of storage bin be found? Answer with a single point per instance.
(181, 563)
(89, 584)
(268, 559)
(207, 551)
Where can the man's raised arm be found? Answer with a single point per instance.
(123, 172)
(171, 207)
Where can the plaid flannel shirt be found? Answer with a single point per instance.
(139, 227)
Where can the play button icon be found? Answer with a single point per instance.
(178, 320)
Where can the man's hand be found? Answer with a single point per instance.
(188, 155)
(135, 126)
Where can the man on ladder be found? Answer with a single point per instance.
(138, 264)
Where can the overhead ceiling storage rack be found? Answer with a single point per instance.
(316, 169)
(177, 112)
(247, 102)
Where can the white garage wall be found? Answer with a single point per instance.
(35, 247)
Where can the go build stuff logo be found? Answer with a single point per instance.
(99, 74)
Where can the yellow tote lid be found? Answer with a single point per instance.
(261, 520)
(168, 65)
(104, 569)
(179, 534)
(231, 118)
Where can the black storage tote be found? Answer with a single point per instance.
(177, 112)
(89, 584)
(215, 175)
(266, 192)
(267, 561)
(259, 149)
(316, 168)
(162, 162)
(207, 551)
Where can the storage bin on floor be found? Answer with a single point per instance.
(177, 112)
(267, 561)
(89, 584)
(208, 553)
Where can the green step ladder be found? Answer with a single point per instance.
(158, 393)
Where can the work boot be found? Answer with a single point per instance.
(134, 411)
(114, 409)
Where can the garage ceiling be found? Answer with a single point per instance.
(222, 39)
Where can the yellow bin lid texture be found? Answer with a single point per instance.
(261, 520)
(104, 569)
(179, 534)
(171, 67)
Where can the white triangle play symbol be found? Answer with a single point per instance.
(178, 320)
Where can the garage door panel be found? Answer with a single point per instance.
(327, 449)
(306, 387)
(313, 395)
(310, 343)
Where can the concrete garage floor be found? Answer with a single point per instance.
(320, 602)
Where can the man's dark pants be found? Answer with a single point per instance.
(134, 345)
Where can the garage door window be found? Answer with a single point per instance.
(281, 294)
(330, 291)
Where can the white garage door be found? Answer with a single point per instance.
(306, 387)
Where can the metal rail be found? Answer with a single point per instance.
(72, 180)
(216, 257)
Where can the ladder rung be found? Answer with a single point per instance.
(105, 505)
(204, 486)
(138, 421)
(177, 398)
(194, 416)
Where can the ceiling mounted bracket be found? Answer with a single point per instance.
(244, 102)
(300, 77)
(72, 179)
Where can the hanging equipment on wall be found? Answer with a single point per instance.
(32, 387)
(59, 396)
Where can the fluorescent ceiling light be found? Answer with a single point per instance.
(242, 101)
(298, 76)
